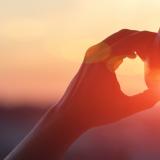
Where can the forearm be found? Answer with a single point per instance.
(49, 139)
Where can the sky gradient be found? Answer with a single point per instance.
(42, 43)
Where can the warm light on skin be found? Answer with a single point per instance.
(54, 35)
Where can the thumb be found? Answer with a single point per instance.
(142, 101)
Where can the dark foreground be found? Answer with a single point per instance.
(134, 138)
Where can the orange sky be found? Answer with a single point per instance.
(43, 42)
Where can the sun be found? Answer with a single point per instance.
(130, 75)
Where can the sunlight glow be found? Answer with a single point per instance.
(130, 75)
(50, 38)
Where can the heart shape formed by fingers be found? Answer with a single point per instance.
(95, 93)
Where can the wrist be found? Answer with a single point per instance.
(66, 120)
(59, 129)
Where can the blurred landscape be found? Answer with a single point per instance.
(15, 122)
(133, 138)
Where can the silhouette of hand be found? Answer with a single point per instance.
(92, 99)
(94, 96)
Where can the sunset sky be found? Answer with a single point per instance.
(43, 42)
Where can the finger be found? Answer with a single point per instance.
(103, 50)
(114, 62)
(138, 41)
(154, 49)
(118, 36)
(142, 101)
(116, 42)
(129, 46)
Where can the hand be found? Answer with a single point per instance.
(92, 99)
(94, 96)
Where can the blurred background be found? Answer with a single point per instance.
(42, 44)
